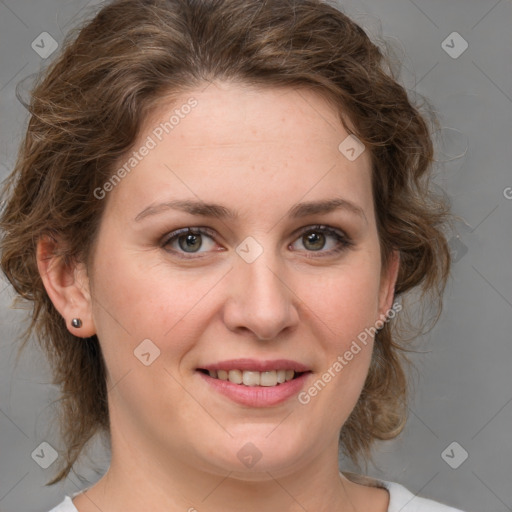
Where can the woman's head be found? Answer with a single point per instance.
(252, 106)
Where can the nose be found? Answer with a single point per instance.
(260, 298)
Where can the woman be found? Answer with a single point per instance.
(216, 211)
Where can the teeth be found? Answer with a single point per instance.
(268, 378)
(235, 376)
(251, 378)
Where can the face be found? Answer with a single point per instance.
(268, 276)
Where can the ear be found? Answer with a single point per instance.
(67, 286)
(388, 279)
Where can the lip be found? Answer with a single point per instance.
(256, 396)
(256, 365)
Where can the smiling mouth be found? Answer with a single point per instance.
(253, 378)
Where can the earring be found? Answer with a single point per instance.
(76, 322)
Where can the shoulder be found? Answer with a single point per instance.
(400, 498)
(403, 500)
(65, 506)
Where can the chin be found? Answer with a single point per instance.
(265, 450)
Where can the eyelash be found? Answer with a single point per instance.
(343, 241)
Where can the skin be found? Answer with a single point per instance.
(174, 439)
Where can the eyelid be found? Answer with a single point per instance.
(343, 239)
(201, 230)
(324, 228)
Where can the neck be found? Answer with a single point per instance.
(140, 480)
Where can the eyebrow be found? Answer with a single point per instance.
(221, 212)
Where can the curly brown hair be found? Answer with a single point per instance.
(87, 110)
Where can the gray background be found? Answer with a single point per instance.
(463, 390)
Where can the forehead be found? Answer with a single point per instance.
(237, 112)
(251, 141)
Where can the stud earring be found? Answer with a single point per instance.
(76, 322)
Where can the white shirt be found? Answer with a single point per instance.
(401, 500)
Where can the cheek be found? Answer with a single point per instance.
(133, 305)
(134, 302)
(343, 310)
(344, 302)
(347, 350)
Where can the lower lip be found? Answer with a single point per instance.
(257, 396)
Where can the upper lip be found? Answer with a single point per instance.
(256, 365)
